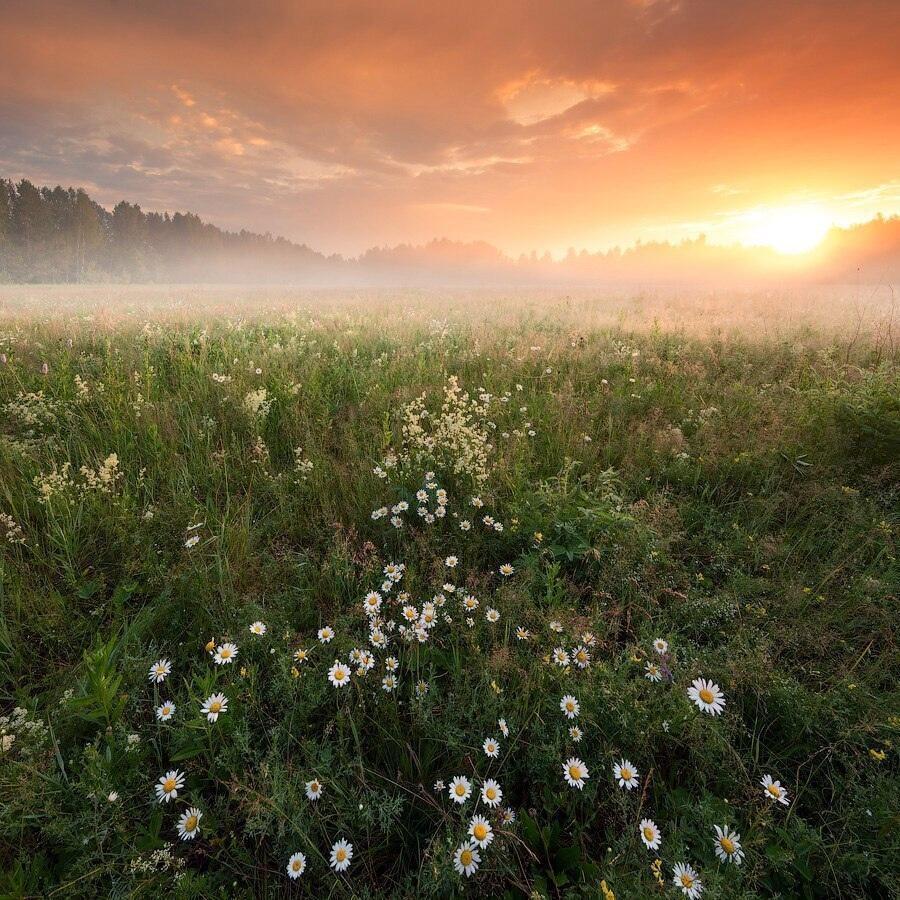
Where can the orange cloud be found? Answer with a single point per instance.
(350, 124)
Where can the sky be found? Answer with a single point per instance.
(530, 125)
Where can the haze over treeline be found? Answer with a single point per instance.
(62, 235)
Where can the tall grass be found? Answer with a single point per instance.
(732, 495)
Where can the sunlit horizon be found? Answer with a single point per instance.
(574, 126)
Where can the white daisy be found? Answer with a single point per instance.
(774, 791)
(660, 646)
(581, 657)
(707, 696)
(652, 672)
(392, 664)
(491, 793)
(339, 674)
(341, 854)
(491, 747)
(301, 655)
(389, 683)
(684, 877)
(569, 706)
(296, 865)
(507, 816)
(160, 670)
(727, 845)
(225, 654)
(258, 628)
(213, 705)
(492, 615)
(504, 728)
(506, 570)
(314, 789)
(165, 711)
(480, 831)
(626, 774)
(189, 823)
(372, 603)
(522, 634)
(169, 785)
(575, 772)
(460, 789)
(451, 562)
(325, 634)
(576, 734)
(560, 657)
(466, 859)
(650, 834)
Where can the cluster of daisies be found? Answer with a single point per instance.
(431, 503)
(415, 625)
(709, 698)
(480, 830)
(392, 617)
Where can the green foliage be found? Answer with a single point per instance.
(869, 414)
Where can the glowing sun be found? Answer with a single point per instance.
(790, 229)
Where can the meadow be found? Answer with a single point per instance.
(412, 595)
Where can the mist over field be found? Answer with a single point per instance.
(61, 235)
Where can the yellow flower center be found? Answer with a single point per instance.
(466, 857)
(190, 823)
(169, 785)
(687, 881)
(460, 790)
(773, 790)
(574, 772)
(166, 710)
(341, 854)
(570, 706)
(339, 674)
(491, 794)
(648, 833)
(295, 865)
(480, 831)
(224, 653)
(727, 845)
(625, 774)
(706, 695)
(581, 656)
(215, 706)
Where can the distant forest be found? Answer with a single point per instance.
(62, 235)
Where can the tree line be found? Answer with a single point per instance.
(62, 235)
